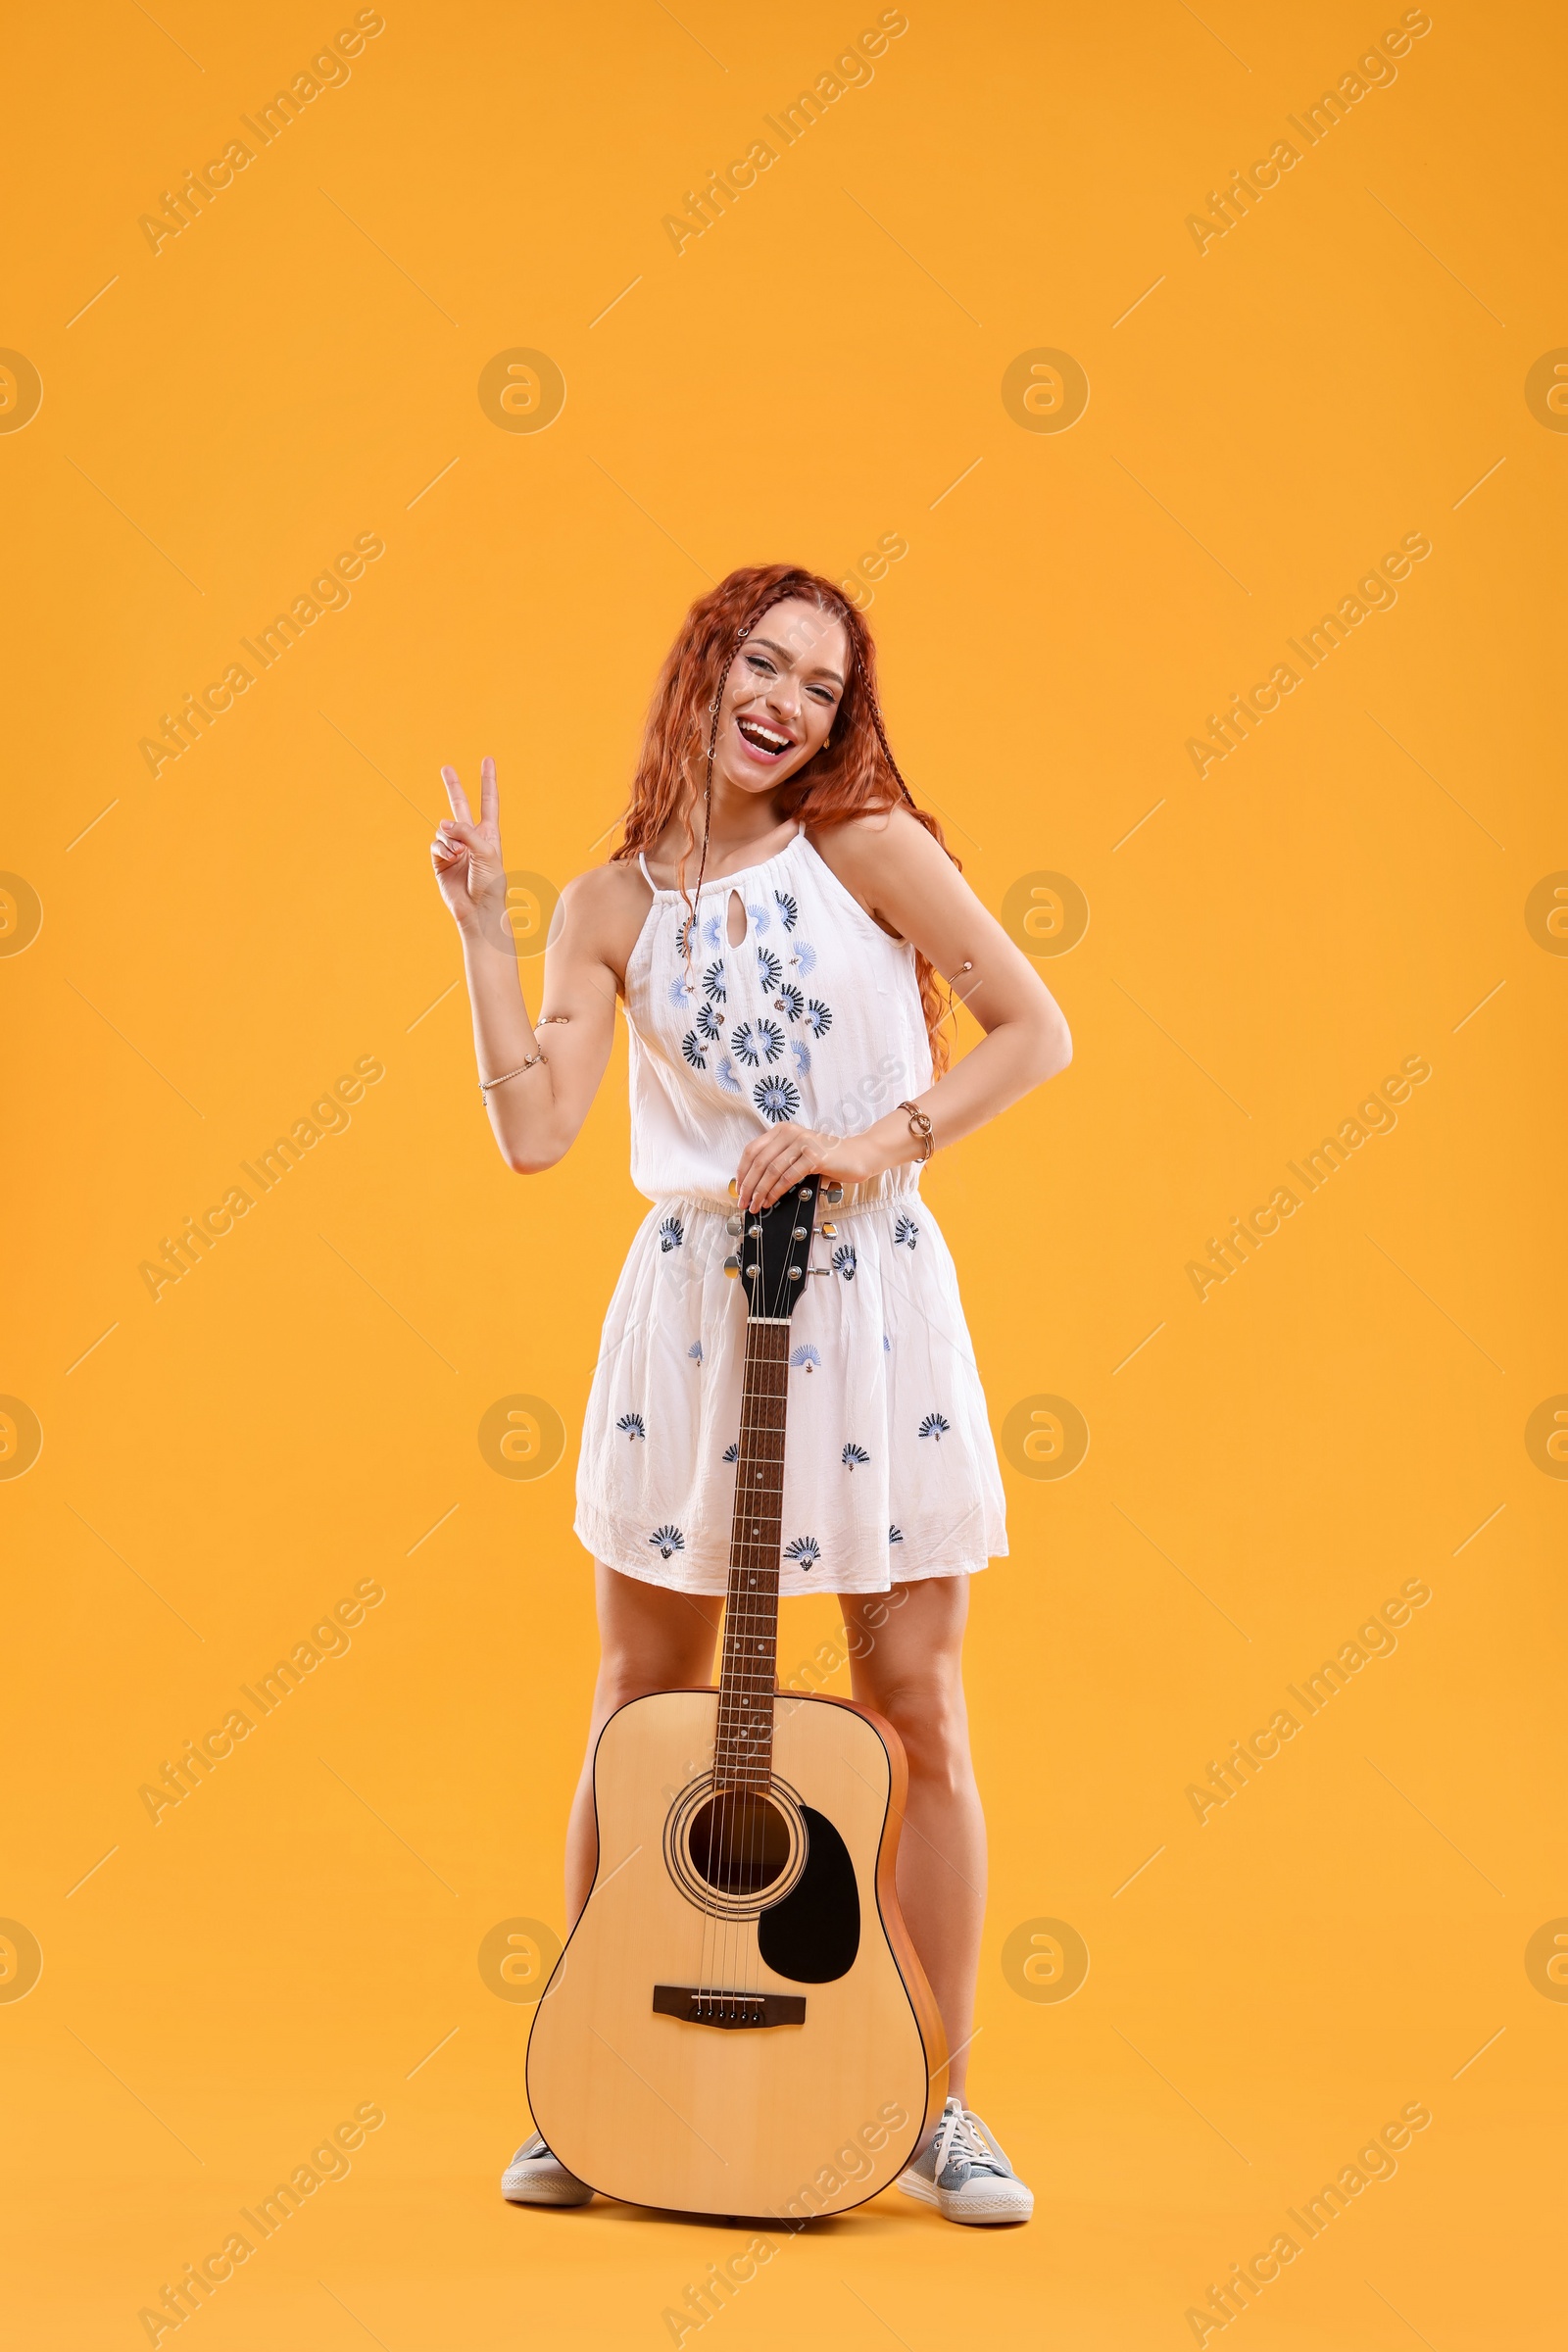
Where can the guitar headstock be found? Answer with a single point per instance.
(770, 1249)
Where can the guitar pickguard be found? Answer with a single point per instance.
(813, 1935)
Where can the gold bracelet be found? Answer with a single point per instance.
(485, 1084)
(921, 1125)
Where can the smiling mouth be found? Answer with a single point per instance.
(771, 742)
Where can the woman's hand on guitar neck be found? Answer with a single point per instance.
(787, 1153)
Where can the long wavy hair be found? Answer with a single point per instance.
(854, 774)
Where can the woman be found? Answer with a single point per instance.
(774, 921)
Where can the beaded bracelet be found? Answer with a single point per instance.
(485, 1084)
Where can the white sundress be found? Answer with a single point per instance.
(890, 1468)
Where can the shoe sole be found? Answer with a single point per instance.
(926, 2193)
(537, 2192)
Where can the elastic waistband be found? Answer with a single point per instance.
(895, 1188)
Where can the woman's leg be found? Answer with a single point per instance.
(650, 1639)
(906, 1651)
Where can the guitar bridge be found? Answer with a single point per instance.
(708, 2005)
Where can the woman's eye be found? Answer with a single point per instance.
(760, 661)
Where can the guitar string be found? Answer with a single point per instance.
(756, 1815)
(758, 1545)
(805, 1198)
(741, 1810)
(719, 1975)
(750, 1800)
(761, 1812)
(741, 1814)
(747, 1801)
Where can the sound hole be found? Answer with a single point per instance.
(739, 1842)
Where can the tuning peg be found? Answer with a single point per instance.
(834, 1194)
(734, 1187)
(830, 1231)
(732, 1266)
(735, 1224)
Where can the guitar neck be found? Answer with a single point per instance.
(744, 1744)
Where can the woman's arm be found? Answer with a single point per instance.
(905, 880)
(535, 1116)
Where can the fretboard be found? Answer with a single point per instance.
(744, 1746)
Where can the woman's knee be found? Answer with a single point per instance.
(924, 1703)
(651, 1640)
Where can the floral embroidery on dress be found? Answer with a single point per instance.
(776, 1098)
(757, 1041)
(739, 1025)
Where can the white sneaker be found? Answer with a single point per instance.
(536, 2177)
(964, 2174)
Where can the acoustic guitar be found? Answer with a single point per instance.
(739, 2024)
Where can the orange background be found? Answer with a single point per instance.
(298, 1415)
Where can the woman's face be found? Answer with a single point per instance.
(781, 695)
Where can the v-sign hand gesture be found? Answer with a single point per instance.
(467, 857)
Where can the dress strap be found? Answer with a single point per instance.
(647, 877)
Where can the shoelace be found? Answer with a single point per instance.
(961, 2137)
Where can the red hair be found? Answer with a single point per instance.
(855, 776)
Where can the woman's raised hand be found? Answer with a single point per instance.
(467, 857)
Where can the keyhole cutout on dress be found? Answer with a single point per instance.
(735, 928)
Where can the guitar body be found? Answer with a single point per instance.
(737, 2024)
